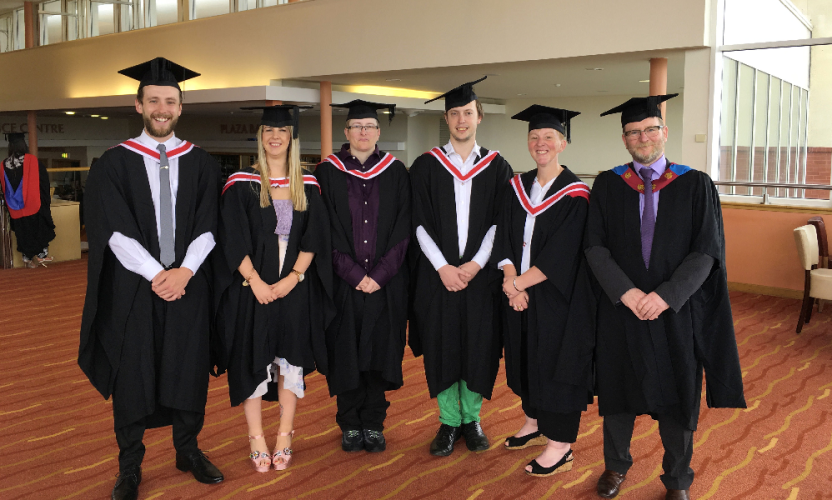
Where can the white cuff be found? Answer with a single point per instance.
(503, 263)
(484, 253)
(430, 249)
(198, 251)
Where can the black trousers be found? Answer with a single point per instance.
(364, 407)
(561, 427)
(186, 427)
(677, 441)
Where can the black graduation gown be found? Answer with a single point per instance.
(458, 332)
(560, 336)
(656, 366)
(293, 327)
(33, 232)
(369, 330)
(120, 350)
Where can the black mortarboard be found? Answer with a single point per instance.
(159, 71)
(15, 136)
(459, 96)
(282, 115)
(545, 117)
(364, 109)
(640, 108)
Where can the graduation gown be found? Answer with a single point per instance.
(459, 333)
(293, 327)
(369, 330)
(656, 366)
(33, 232)
(560, 336)
(147, 367)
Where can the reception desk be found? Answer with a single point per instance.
(67, 242)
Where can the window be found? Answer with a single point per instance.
(5, 33)
(207, 8)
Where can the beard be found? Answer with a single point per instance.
(647, 158)
(155, 129)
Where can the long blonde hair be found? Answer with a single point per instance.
(298, 195)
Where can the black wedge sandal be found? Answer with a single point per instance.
(563, 465)
(518, 443)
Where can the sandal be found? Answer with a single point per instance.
(518, 443)
(257, 456)
(46, 260)
(282, 458)
(563, 465)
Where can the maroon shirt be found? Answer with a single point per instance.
(364, 206)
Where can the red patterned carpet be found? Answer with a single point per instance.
(56, 438)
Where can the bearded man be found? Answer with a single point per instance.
(151, 218)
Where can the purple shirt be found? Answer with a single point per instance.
(659, 166)
(363, 198)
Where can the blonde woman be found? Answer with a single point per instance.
(274, 292)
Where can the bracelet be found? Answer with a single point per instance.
(247, 280)
(514, 282)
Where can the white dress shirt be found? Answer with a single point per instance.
(129, 252)
(462, 197)
(535, 198)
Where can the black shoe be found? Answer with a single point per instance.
(127, 484)
(374, 441)
(352, 441)
(199, 465)
(563, 465)
(474, 437)
(443, 444)
(518, 443)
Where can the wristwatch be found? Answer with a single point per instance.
(299, 274)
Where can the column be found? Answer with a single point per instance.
(326, 119)
(29, 11)
(658, 80)
(32, 120)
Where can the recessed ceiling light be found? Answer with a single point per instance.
(521, 94)
(70, 112)
(644, 81)
(557, 85)
(594, 69)
(94, 116)
(104, 118)
(393, 80)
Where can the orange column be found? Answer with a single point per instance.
(326, 119)
(273, 103)
(29, 23)
(658, 80)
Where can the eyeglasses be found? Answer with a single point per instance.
(364, 128)
(650, 132)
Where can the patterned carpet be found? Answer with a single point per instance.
(56, 438)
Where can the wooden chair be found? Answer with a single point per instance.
(823, 248)
(818, 284)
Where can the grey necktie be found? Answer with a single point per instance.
(166, 253)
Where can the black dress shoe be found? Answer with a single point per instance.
(352, 441)
(374, 441)
(474, 436)
(609, 484)
(677, 495)
(199, 465)
(127, 484)
(443, 444)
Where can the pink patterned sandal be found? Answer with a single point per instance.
(257, 456)
(282, 458)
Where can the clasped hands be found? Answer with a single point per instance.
(646, 306)
(517, 299)
(266, 293)
(170, 284)
(457, 278)
(368, 285)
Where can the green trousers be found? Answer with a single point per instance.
(458, 405)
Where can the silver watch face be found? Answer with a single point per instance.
(300, 276)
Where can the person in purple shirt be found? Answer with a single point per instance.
(367, 193)
(654, 241)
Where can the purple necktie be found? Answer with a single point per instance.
(648, 216)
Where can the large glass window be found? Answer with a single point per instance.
(5, 32)
(207, 8)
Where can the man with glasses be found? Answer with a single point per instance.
(654, 241)
(458, 190)
(367, 194)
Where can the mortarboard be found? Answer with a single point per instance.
(640, 108)
(459, 96)
(15, 136)
(282, 115)
(545, 117)
(159, 71)
(364, 109)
